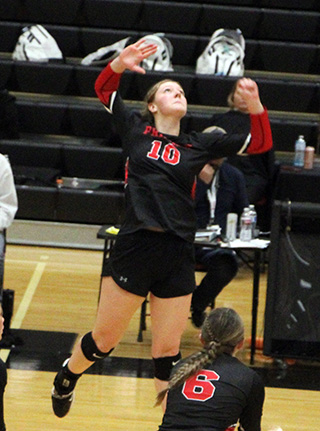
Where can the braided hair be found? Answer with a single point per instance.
(221, 332)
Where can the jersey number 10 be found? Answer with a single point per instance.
(169, 153)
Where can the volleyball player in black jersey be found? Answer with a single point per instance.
(211, 389)
(154, 248)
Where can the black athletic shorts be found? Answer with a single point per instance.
(157, 262)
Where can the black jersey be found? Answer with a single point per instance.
(215, 398)
(161, 169)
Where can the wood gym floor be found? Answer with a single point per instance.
(56, 292)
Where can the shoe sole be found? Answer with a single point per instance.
(61, 404)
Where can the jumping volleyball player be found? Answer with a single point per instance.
(153, 252)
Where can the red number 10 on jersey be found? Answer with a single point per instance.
(169, 154)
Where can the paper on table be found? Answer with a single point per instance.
(254, 243)
(208, 234)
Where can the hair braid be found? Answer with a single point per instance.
(190, 366)
(221, 331)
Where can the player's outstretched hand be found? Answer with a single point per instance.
(131, 57)
(249, 91)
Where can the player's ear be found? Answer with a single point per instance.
(152, 108)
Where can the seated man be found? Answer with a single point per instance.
(220, 190)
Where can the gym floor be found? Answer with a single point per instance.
(56, 293)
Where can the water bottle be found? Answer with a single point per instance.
(299, 149)
(232, 222)
(253, 214)
(245, 225)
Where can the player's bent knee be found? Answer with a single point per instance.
(90, 349)
(163, 366)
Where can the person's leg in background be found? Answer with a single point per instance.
(222, 267)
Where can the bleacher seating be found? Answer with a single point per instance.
(279, 94)
(66, 131)
(300, 56)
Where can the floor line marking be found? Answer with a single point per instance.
(25, 303)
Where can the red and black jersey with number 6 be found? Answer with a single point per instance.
(216, 397)
(162, 168)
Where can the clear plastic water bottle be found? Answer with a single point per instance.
(253, 214)
(299, 149)
(246, 225)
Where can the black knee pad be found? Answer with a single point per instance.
(90, 349)
(163, 366)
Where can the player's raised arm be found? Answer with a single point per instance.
(132, 56)
(248, 89)
(261, 135)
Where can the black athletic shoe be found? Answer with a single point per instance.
(62, 394)
(61, 404)
(197, 317)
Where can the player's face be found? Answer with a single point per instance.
(170, 100)
(239, 102)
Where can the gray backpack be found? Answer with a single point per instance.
(223, 55)
(36, 44)
(161, 60)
